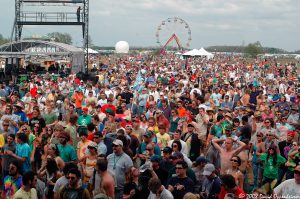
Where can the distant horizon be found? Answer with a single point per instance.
(231, 22)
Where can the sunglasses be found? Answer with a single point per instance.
(115, 145)
(234, 160)
(96, 137)
(149, 149)
(269, 135)
(174, 146)
(5, 125)
(258, 135)
(296, 172)
(36, 126)
(71, 178)
(178, 167)
(267, 122)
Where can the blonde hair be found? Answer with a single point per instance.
(190, 195)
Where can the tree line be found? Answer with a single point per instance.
(252, 49)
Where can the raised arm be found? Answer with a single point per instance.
(240, 148)
(216, 142)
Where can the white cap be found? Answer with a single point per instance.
(208, 169)
(118, 142)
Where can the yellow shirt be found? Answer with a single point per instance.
(162, 140)
(21, 194)
(82, 147)
(2, 141)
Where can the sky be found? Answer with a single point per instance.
(275, 23)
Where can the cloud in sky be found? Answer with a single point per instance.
(214, 22)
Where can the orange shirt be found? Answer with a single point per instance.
(181, 112)
(78, 99)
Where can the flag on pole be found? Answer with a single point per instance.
(138, 81)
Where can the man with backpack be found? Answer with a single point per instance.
(73, 190)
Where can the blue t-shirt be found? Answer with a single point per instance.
(186, 182)
(67, 153)
(23, 150)
(22, 116)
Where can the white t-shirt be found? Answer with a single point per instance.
(288, 189)
(26, 195)
(184, 149)
(232, 74)
(101, 102)
(165, 194)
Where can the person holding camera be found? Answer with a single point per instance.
(181, 183)
(212, 183)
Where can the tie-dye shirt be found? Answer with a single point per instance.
(11, 186)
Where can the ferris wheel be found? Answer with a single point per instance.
(173, 32)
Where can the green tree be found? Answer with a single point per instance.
(253, 49)
(60, 37)
(3, 40)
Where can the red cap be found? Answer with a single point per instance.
(135, 120)
(85, 109)
(291, 133)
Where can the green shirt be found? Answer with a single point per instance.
(84, 120)
(271, 170)
(31, 138)
(216, 131)
(67, 153)
(50, 118)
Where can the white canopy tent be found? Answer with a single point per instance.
(200, 52)
(91, 51)
(194, 52)
(205, 53)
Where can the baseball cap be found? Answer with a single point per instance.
(190, 125)
(167, 150)
(92, 145)
(85, 109)
(155, 158)
(208, 169)
(201, 159)
(135, 120)
(228, 115)
(118, 142)
(291, 133)
(118, 120)
(98, 133)
(148, 134)
(159, 112)
(176, 155)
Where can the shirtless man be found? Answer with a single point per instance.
(107, 184)
(227, 152)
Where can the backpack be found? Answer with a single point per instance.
(65, 192)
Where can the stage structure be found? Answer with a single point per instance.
(79, 17)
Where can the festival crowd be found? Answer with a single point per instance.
(166, 128)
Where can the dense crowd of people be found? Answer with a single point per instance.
(165, 128)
